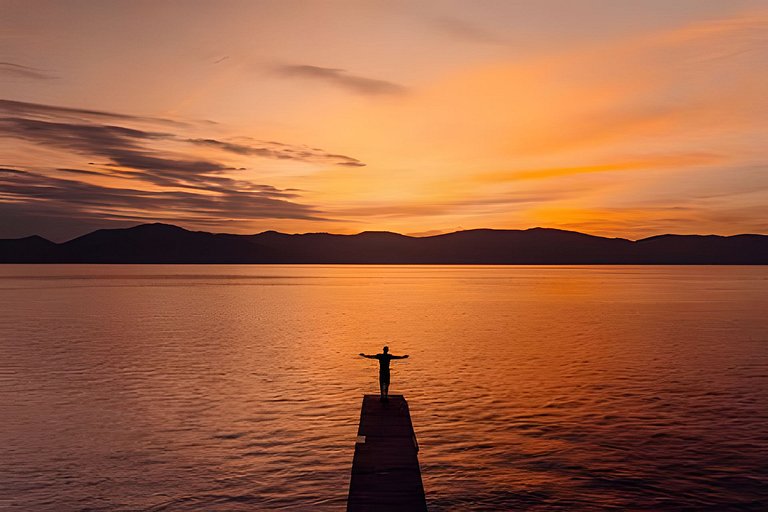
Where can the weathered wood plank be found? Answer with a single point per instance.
(385, 468)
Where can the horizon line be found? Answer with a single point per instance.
(158, 223)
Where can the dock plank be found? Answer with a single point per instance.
(385, 467)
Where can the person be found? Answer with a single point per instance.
(384, 360)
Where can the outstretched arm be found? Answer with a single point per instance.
(367, 356)
(400, 357)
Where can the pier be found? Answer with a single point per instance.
(385, 468)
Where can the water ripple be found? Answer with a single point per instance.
(162, 388)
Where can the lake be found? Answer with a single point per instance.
(229, 387)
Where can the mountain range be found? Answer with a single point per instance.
(163, 243)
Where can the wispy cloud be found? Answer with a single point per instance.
(123, 147)
(472, 206)
(341, 78)
(466, 31)
(38, 194)
(134, 148)
(260, 201)
(674, 161)
(54, 112)
(19, 71)
(280, 151)
(142, 174)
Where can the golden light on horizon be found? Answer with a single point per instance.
(424, 126)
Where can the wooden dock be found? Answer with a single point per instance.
(385, 469)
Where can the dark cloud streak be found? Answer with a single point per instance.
(83, 131)
(42, 111)
(279, 151)
(19, 71)
(340, 78)
(183, 188)
(461, 29)
(128, 148)
(59, 197)
(121, 146)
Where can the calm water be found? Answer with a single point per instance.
(238, 387)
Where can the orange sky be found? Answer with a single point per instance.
(615, 118)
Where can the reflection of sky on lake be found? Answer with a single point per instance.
(238, 387)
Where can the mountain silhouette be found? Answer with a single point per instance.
(31, 249)
(163, 243)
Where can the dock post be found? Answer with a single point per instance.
(385, 468)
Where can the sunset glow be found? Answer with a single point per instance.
(630, 120)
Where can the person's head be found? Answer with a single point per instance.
(386, 349)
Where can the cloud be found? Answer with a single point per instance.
(49, 112)
(340, 78)
(641, 119)
(19, 71)
(674, 161)
(40, 195)
(460, 29)
(140, 154)
(260, 201)
(123, 147)
(447, 206)
(139, 173)
(84, 131)
(280, 151)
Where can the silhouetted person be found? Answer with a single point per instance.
(384, 360)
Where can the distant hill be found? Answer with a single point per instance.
(163, 243)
